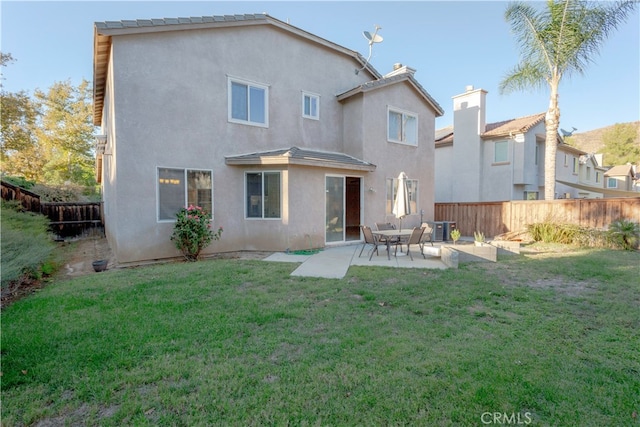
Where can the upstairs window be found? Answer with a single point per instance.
(576, 164)
(501, 152)
(612, 183)
(248, 103)
(310, 106)
(402, 127)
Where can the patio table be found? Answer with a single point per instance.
(392, 233)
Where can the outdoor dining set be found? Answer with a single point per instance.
(386, 234)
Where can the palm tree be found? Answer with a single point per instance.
(559, 40)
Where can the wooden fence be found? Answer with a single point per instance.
(66, 218)
(30, 201)
(494, 218)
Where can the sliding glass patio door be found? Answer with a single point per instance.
(343, 208)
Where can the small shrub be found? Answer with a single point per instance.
(551, 232)
(26, 245)
(192, 232)
(624, 234)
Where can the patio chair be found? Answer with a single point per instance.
(414, 239)
(387, 226)
(369, 239)
(427, 236)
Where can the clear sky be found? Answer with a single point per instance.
(451, 44)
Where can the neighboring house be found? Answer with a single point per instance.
(578, 174)
(482, 162)
(290, 140)
(478, 161)
(620, 177)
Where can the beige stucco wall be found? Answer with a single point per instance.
(168, 108)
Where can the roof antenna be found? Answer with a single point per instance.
(567, 133)
(373, 38)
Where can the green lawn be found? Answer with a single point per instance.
(543, 339)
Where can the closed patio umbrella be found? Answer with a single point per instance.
(401, 206)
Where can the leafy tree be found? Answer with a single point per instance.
(556, 41)
(621, 145)
(48, 138)
(65, 133)
(17, 122)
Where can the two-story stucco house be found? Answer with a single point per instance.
(482, 162)
(578, 174)
(478, 161)
(288, 139)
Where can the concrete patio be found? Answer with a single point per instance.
(334, 262)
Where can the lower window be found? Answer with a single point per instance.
(263, 194)
(392, 190)
(180, 188)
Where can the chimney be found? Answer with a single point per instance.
(468, 125)
(398, 68)
(474, 101)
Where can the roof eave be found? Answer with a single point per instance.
(286, 161)
(391, 81)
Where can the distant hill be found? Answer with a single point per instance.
(591, 141)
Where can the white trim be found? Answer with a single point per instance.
(311, 96)
(403, 113)
(344, 208)
(249, 84)
(244, 199)
(186, 191)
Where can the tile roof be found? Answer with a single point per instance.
(140, 23)
(518, 125)
(301, 156)
(445, 136)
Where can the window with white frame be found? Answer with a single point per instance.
(612, 183)
(501, 152)
(597, 177)
(392, 190)
(566, 160)
(180, 188)
(402, 126)
(310, 106)
(263, 194)
(248, 103)
(588, 173)
(576, 164)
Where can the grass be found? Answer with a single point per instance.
(551, 338)
(27, 249)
